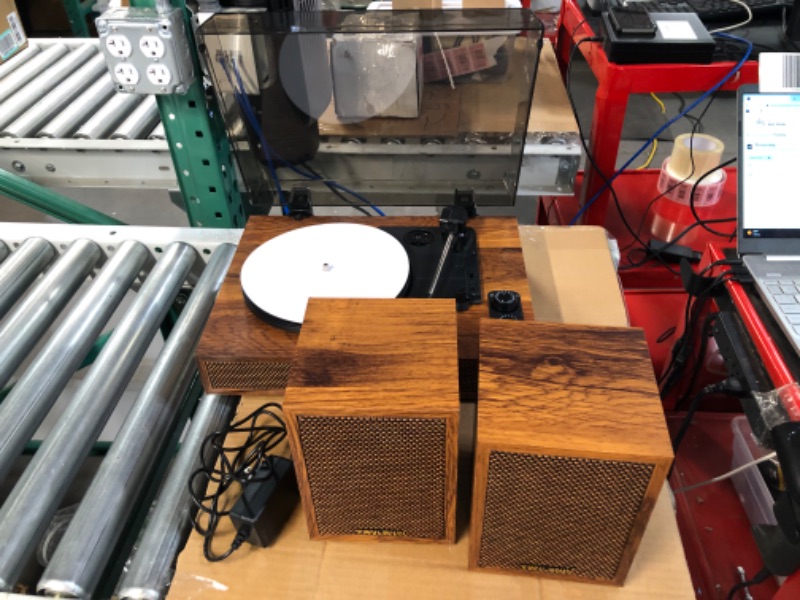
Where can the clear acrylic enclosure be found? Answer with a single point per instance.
(380, 106)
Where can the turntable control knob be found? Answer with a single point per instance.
(505, 301)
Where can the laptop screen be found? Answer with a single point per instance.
(769, 160)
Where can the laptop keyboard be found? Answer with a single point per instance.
(786, 294)
(712, 10)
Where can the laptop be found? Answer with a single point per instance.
(768, 225)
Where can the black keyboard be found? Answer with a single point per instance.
(712, 10)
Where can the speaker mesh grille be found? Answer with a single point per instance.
(560, 515)
(240, 375)
(376, 475)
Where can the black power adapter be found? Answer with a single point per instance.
(266, 503)
(672, 252)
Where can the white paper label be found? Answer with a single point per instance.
(676, 30)
(778, 72)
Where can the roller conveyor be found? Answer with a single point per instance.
(158, 263)
(120, 144)
(63, 123)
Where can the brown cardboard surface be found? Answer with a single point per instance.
(550, 110)
(572, 279)
(6, 8)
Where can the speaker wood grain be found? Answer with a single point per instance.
(372, 409)
(571, 452)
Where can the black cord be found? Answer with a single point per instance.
(590, 156)
(730, 386)
(692, 201)
(674, 241)
(336, 192)
(691, 118)
(682, 350)
(235, 466)
(759, 577)
(705, 332)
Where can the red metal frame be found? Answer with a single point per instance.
(770, 355)
(616, 83)
(714, 527)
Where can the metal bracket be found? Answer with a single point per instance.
(300, 205)
(466, 199)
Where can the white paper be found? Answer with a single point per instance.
(676, 30)
(779, 72)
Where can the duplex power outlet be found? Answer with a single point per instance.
(159, 75)
(152, 46)
(119, 46)
(126, 74)
(146, 51)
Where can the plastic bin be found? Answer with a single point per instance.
(750, 486)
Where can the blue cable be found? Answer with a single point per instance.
(357, 196)
(244, 103)
(689, 108)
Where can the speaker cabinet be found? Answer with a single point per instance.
(372, 411)
(571, 450)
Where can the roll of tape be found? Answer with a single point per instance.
(679, 189)
(701, 150)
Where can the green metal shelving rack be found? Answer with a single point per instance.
(77, 11)
(201, 153)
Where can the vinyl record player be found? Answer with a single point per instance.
(241, 352)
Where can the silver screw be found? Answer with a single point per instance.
(473, 174)
(19, 166)
(50, 167)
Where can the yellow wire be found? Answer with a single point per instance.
(660, 103)
(653, 148)
(654, 145)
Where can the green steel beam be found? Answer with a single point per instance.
(50, 202)
(77, 11)
(202, 156)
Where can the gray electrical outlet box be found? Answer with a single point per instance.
(147, 52)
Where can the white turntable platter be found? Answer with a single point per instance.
(335, 260)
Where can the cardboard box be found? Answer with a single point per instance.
(12, 35)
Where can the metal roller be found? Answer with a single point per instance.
(37, 390)
(44, 59)
(25, 325)
(140, 121)
(28, 124)
(21, 269)
(27, 511)
(34, 91)
(80, 559)
(108, 117)
(158, 133)
(149, 571)
(69, 119)
(20, 59)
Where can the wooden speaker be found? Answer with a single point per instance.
(571, 450)
(372, 411)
